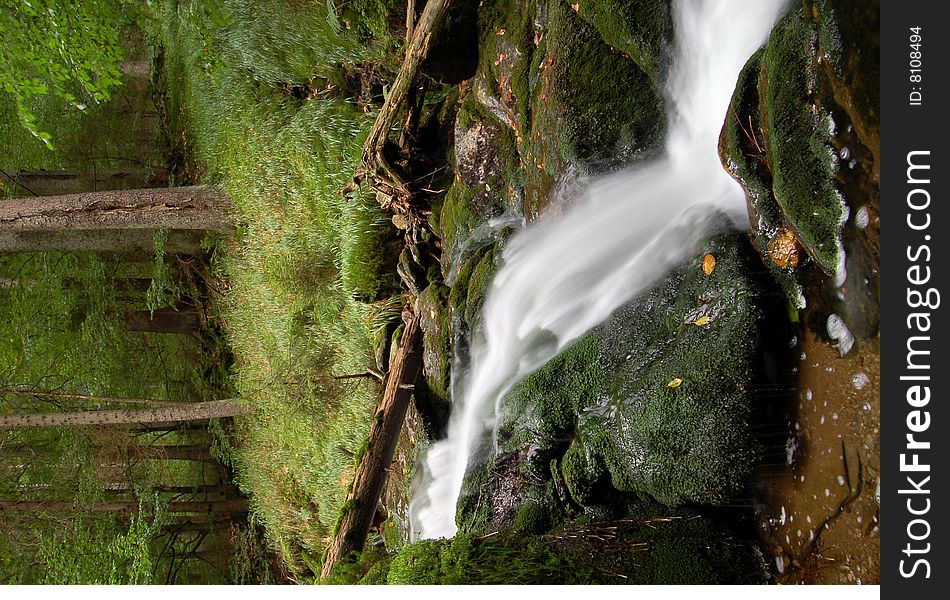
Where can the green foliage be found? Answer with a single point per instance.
(87, 552)
(311, 276)
(67, 48)
(674, 551)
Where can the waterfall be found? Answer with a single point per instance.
(565, 275)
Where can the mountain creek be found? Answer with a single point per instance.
(740, 388)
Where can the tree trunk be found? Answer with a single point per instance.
(192, 452)
(383, 436)
(180, 412)
(234, 506)
(58, 183)
(220, 507)
(126, 211)
(164, 320)
(136, 245)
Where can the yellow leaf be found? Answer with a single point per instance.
(709, 263)
(701, 321)
(675, 383)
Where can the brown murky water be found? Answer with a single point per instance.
(819, 512)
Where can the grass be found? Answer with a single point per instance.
(309, 279)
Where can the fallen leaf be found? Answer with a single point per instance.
(675, 383)
(576, 7)
(709, 263)
(701, 321)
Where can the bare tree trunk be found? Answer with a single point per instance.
(234, 506)
(99, 399)
(383, 436)
(180, 412)
(164, 320)
(192, 452)
(58, 183)
(193, 207)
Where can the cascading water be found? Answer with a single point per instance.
(564, 275)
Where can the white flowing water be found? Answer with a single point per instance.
(566, 274)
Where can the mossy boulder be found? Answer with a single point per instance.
(641, 30)
(802, 138)
(432, 395)
(641, 552)
(654, 403)
(608, 111)
(435, 323)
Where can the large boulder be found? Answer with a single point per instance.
(654, 403)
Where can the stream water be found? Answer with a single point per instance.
(562, 276)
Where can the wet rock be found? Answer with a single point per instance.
(801, 137)
(602, 411)
(607, 110)
(642, 31)
(476, 153)
(432, 306)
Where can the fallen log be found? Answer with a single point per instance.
(371, 474)
(393, 191)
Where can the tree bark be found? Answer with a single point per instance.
(164, 320)
(374, 163)
(192, 452)
(57, 183)
(194, 207)
(180, 412)
(221, 507)
(132, 244)
(373, 468)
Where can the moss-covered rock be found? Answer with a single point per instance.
(641, 30)
(798, 139)
(432, 306)
(653, 403)
(607, 109)
(802, 139)
(642, 552)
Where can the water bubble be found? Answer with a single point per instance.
(860, 380)
(839, 332)
(862, 217)
(841, 480)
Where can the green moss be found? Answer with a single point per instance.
(532, 517)
(678, 551)
(799, 142)
(691, 442)
(583, 474)
(478, 285)
(542, 408)
(608, 111)
(642, 30)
